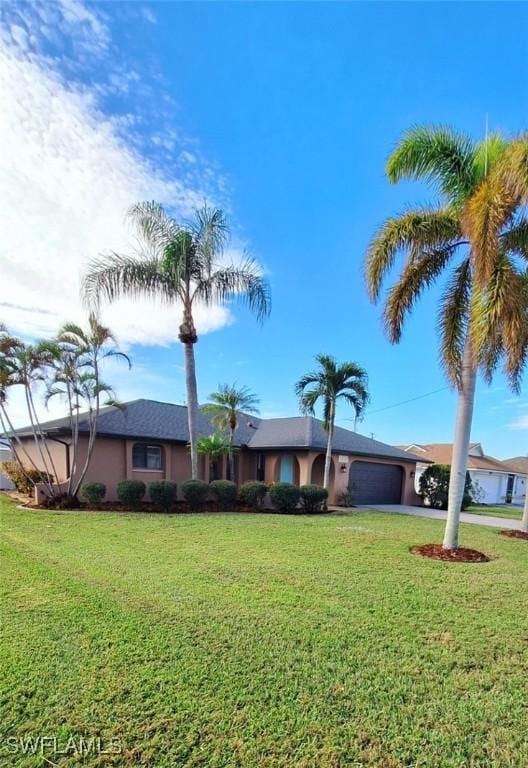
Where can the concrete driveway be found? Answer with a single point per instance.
(439, 514)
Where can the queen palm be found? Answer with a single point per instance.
(477, 230)
(224, 409)
(330, 383)
(180, 265)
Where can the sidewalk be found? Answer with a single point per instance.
(440, 514)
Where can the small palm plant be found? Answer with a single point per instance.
(330, 383)
(215, 447)
(181, 265)
(224, 409)
(479, 230)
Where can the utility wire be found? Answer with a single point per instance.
(404, 402)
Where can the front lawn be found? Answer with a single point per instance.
(261, 640)
(513, 513)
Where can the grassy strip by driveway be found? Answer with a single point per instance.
(262, 640)
(511, 512)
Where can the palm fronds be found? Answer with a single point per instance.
(419, 273)
(413, 232)
(437, 154)
(243, 282)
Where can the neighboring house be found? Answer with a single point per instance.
(5, 455)
(148, 441)
(519, 464)
(497, 482)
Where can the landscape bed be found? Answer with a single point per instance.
(262, 640)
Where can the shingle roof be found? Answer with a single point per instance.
(440, 453)
(518, 464)
(308, 432)
(152, 420)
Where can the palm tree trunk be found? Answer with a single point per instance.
(92, 419)
(328, 457)
(192, 405)
(231, 456)
(459, 459)
(524, 521)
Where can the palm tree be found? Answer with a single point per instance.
(215, 447)
(26, 365)
(22, 365)
(477, 228)
(226, 404)
(181, 265)
(77, 378)
(330, 383)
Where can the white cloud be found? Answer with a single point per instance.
(149, 15)
(68, 173)
(520, 423)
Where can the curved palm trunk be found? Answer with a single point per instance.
(93, 419)
(328, 457)
(524, 521)
(192, 405)
(459, 458)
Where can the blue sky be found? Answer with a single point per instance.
(284, 113)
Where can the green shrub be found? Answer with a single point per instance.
(94, 493)
(313, 497)
(285, 496)
(253, 492)
(131, 492)
(224, 493)
(347, 498)
(24, 481)
(163, 494)
(434, 486)
(195, 493)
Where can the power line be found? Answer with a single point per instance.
(404, 402)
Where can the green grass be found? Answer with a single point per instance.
(513, 513)
(262, 640)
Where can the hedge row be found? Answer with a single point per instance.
(285, 497)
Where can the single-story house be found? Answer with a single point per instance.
(519, 464)
(148, 440)
(496, 481)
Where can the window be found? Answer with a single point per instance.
(147, 456)
(261, 466)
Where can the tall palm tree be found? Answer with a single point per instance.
(224, 408)
(23, 366)
(77, 378)
(215, 447)
(330, 383)
(181, 265)
(479, 229)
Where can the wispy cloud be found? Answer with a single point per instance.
(69, 168)
(520, 423)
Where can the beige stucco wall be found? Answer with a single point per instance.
(112, 462)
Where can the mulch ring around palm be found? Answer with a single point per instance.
(515, 534)
(460, 555)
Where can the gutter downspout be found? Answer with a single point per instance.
(67, 452)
